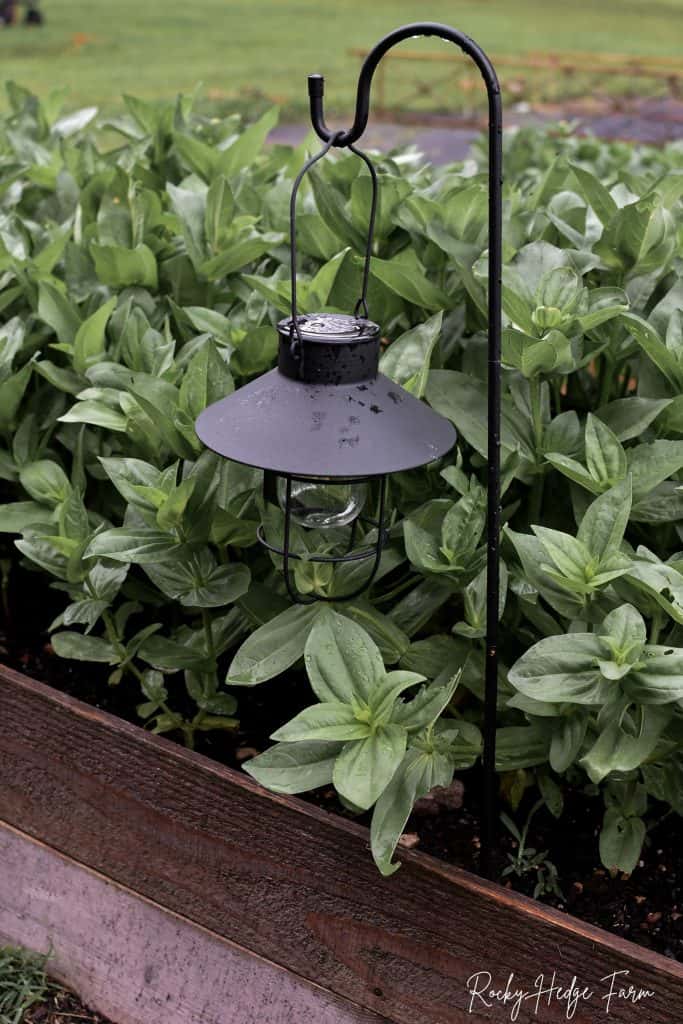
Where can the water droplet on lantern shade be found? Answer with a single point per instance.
(321, 503)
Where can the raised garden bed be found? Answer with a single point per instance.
(291, 886)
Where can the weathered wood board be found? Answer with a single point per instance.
(138, 963)
(296, 886)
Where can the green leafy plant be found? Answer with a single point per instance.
(528, 861)
(142, 281)
(23, 983)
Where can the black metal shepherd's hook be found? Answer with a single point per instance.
(343, 139)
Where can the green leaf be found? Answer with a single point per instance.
(618, 751)
(17, 516)
(562, 668)
(630, 417)
(650, 464)
(190, 208)
(210, 322)
(621, 841)
(605, 457)
(220, 207)
(45, 481)
(654, 348)
(571, 556)
(595, 194)
(196, 581)
(90, 338)
(462, 399)
(140, 544)
(274, 647)
(658, 678)
(12, 391)
(428, 704)
(55, 309)
(416, 775)
(365, 767)
(295, 767)
(84, 648)
(119, 268)
(246, 147)
(603, 525)
(328, 721)
(97, 414)
(342, 661)
(521, 746)
(207, 379)
(567, 741)
(405, 276)
(407, 359)
(169, 655)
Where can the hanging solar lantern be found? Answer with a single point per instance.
(326, 423)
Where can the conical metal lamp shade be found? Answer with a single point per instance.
(300, 429)
(343, 419)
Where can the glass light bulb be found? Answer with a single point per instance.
(319, 503)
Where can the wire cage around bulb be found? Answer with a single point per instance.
(352, 554)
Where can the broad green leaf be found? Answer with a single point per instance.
(462, 399)
(605, 457)
(630, 417)
(295, 767)
(413, 779)
(274, 647)
(567, 741)
(521, 746)
(603, 525)
(342, 661)
(45, 481)
(17, 516)
(207, 379)
(562, 668)
(595, 193)
(618, 751)
(407, 359)
(59, 312)
(97, 414)
(246, 147)
(329, 721)
(365, 767)
(141, 545)
(658, 678)
(84, 648)
(118, 267)
(653, 346)
(621, 841)
(406, 278)
(89, 342)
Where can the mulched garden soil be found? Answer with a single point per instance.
(62, 1007)
(646, 907)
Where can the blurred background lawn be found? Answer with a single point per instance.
(265, 48)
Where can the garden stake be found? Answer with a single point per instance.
(315, 92)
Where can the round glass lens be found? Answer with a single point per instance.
(322, 503)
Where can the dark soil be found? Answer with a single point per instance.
(646, 907)
(62, 1007)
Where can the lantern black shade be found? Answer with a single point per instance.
(326, 412)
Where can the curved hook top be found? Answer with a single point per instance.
(316, 83)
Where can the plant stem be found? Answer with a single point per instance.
(536, 500)
(606, 378)
(208, 633)
(657, 623)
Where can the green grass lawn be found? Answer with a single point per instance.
(150, 48)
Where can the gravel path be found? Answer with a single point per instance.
(654, 121)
